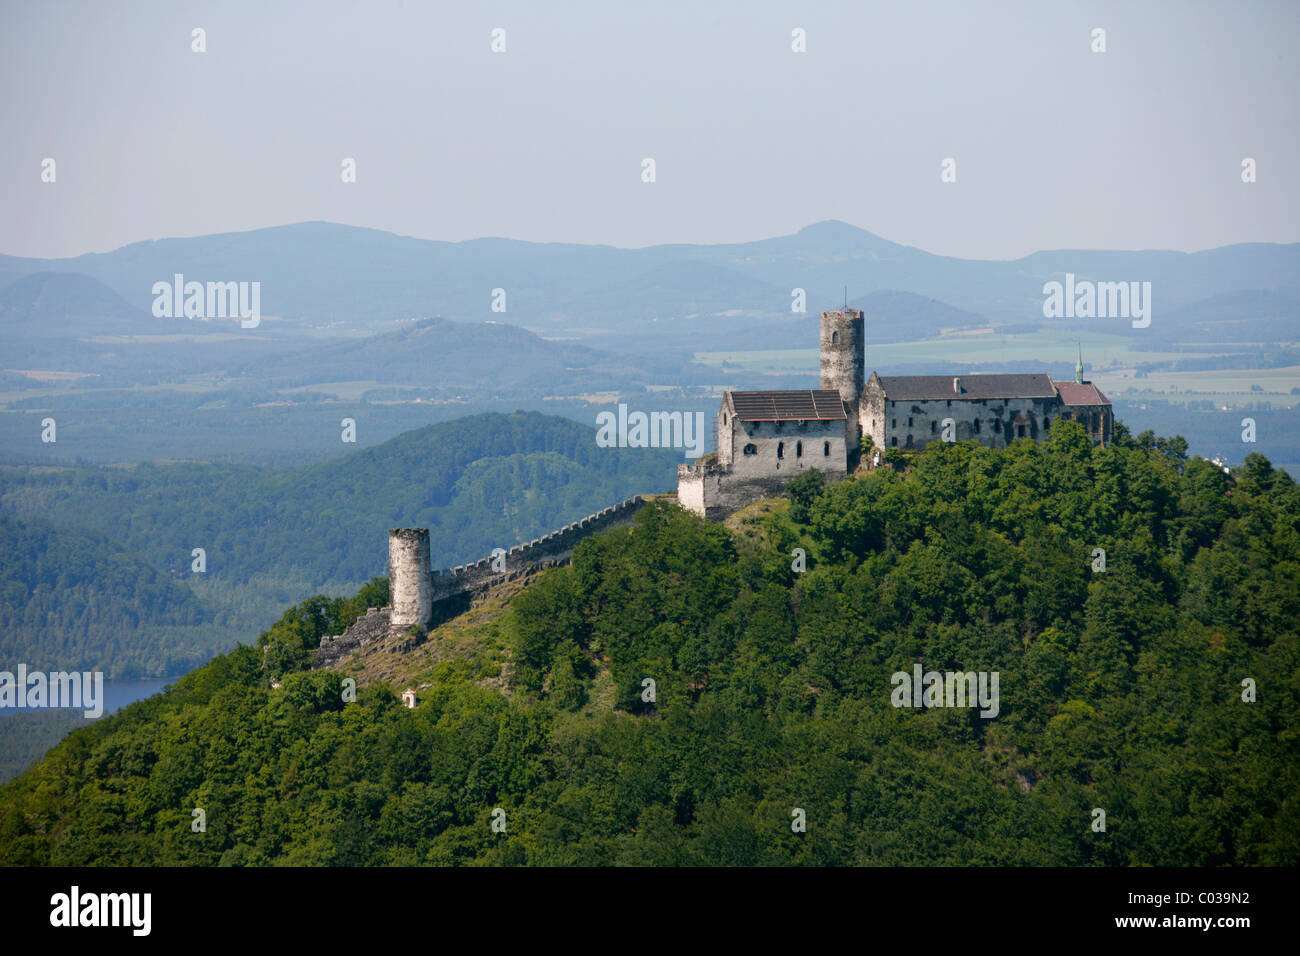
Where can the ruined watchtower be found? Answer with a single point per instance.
(843, 351)
(411, 590)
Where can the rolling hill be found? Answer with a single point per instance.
(678, 694)
(271, 536)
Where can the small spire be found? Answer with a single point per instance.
(1078, 368)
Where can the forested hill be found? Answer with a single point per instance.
(62, 591)
(271, 537)
(1120, 690)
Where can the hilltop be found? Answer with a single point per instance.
(1159, 690)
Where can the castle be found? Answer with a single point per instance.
(764, 440)
(767, 438)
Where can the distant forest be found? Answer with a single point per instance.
(96, 568)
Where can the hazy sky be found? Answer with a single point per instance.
(1056, 146)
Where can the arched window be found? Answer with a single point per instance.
(798, 449)
(780, 449)
(835, 338)
(750, 450)
(826, 449)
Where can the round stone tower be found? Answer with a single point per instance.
(844, 355)
(409, 586)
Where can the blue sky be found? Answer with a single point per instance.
(1056, 146)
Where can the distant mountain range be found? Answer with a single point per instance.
(398, 332)
(329, 275)
(63, 305)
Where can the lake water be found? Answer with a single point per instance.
(117, 694)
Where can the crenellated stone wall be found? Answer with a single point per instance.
(426, 598)
(546, 551)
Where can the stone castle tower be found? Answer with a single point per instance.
(411, 587)
(843, 360)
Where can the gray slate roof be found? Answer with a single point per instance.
(803, 405)
(911, 388)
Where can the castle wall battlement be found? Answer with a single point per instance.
(548, 550)
(423, 597)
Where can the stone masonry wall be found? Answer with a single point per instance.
(371, 626)
(408, 575)
(714, 491)
(554, 548)
(448, 591)
(822, 443)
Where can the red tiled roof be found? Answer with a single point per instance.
(1075, 393)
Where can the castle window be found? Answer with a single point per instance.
(835, 338)
(826, 449)
(893, 423)
(977, 426)
(1020, 431)
(909, 422)
(933, 428)
(780, 449)
(750, 450)
(1047, 423)
(798, 449)
(894, 441)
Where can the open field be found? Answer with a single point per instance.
(1100, 350)
(1220, 386)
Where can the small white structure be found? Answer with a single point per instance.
(408, 697)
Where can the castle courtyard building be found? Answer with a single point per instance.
(767, 433)
(766, 438)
